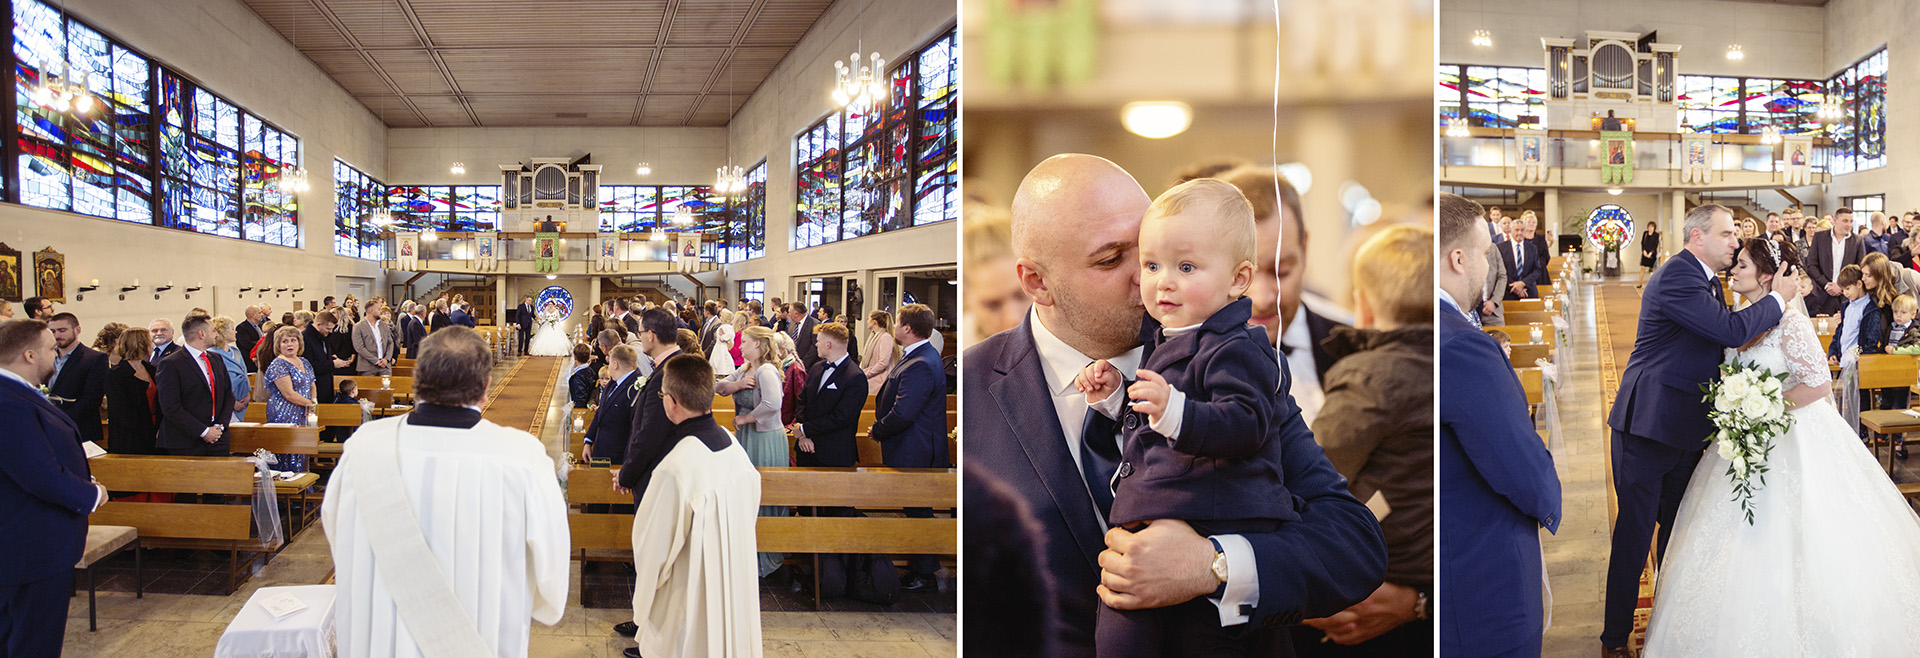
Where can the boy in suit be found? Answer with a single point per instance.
(830, 404)
(581, 382)
(1196, 445)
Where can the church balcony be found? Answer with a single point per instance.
(1490, 157)
(456, 253)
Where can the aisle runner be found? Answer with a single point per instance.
(1616, 309)
(521, 401)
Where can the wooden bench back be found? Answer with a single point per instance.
(936, 488)
(402, 386)
(1888, 370)
(1524, 354)
(1523, 306)
(277, 440)
(1523, 318)
(1524, 334)
(1531, 380)
(331, 415)
(167, 474)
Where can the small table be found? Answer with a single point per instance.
(309, 632)
(395, 410)
(1889, 421)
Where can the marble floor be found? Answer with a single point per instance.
(167, 625)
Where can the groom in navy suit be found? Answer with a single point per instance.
(1659, 418)
(1497, 484)
(1076, 224)
(46, 492)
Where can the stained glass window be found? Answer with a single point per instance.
(865, 171)
(218, 164)
(752, 242)
(356, 196)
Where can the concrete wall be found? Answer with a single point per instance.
(229, 49)
(1855, 28)
(1778, 40)
(794, 96)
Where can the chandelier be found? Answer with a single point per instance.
(293, 180)
(1483, 38)
(859, 85)
(63, 92)
(459, 168)
(643, 169)
(732, 180)
(381, 218)
(682, 216)
(1770, 135)
(1457, 127)
(1830, 109)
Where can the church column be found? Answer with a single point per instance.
(500, 301)
(1551, 218)
(593, 291)
(1675, 222)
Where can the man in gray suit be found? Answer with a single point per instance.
(376, 341)
(1491, 312)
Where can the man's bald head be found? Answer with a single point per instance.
(1068, 192)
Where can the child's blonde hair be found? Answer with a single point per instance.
(1905, 303)
(1217, 199)
(1394, 269)
(1499, 336)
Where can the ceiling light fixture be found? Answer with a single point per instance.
(1156, 119)
(1614, 191)
(1457, 127)
(1734, 53)
(644, 169)
(1483, 38)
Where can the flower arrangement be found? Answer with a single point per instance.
(1610, 235)
(1748, 408)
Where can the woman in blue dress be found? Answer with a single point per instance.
(289, 383)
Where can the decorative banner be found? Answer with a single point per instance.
(1693, 160)
(1038, 45)
(546, 252)
(486, 252)
(687, 255)
(1616, 157)
(50, 272)
(606, 252)
(1799, 158)
(9, 273)
(408, 244)
(1532, 163)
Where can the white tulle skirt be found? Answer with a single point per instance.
(1830, 566)
(550, 341)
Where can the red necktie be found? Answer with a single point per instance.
(213, 395)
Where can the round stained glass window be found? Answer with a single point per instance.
(553, 299)
(1609, 225)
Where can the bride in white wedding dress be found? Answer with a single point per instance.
(1830, 565)
(548, 339)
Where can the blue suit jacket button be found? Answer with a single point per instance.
(1133, 421)
(1126, 469)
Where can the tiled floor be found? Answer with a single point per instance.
(189, 621)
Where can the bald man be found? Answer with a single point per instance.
(1076, 224)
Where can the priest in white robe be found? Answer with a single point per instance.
(697, 590)
(478, 546)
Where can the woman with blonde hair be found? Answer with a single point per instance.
(106, 339)
(229, 352)
(882, 351)
(740, 321)
(133, 422)
(757, 401)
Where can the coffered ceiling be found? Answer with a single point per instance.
(440, 63)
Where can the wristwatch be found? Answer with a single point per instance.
(1219, 567)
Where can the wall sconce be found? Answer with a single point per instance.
(83, 290)
(277, 291)
(160, 289)
(127, 289)
(243, 292)
(194, 289)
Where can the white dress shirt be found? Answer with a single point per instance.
(1060, 363)
(1306, 374)
(1839, 251)
(826, 374)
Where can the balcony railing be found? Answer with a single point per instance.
(1735, 160)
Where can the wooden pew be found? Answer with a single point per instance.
(244, 439)
(1523, 334)
(1525, 318)
(1523, 306)
(609, 537)
(402, 386)
(331, 415)
(184, 525)
(1524, 354)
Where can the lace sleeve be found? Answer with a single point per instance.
(1806, 362)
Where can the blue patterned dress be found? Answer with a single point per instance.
(279, 410)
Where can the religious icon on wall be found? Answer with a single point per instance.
(1799, 155)
(1530, 149)
(1616, 153)
(1696, 152)
(546, 249)
(486, 248)
(406, 249)
(9, 273)
(50, 274)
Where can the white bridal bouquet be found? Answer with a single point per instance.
(1748, 408)
(550, 320)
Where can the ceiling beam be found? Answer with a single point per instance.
(321, 6)
(420, 31)
(653, 62)
(726, 59)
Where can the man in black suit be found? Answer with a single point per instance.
(623, 313)
(1279, 284)
(46, 491)
(194, 397)
(320, 355)
(910, 416)
(1828, 252)
(523, 316)
(79, 376)
(800, 327)
(1526, 270)
(830, 404)
(710, 326)
(651, 433)
(463, 316)
(413, 329)
(1075, 220)
(779, 319)
(163, 346)
(248, 334)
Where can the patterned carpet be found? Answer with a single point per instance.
(521, 400)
